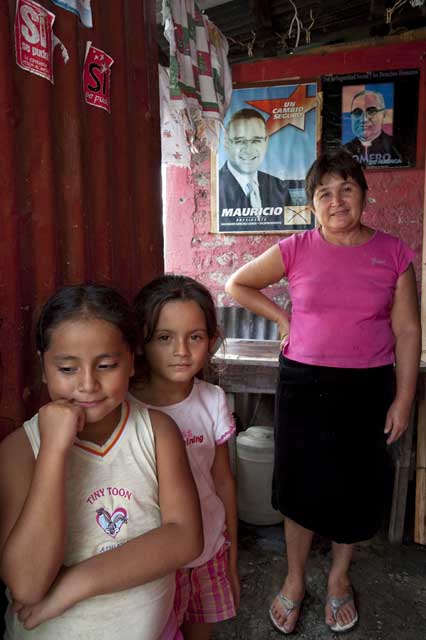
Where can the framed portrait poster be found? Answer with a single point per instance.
(373, 115)
(267, 146)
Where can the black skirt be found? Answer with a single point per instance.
(330, 449)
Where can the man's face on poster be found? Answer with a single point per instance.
(367, 115)
(246, 143)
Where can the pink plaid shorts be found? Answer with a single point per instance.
(204, 594)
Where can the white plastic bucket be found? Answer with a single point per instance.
(255, 460)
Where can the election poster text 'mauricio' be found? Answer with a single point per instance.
(267, 146)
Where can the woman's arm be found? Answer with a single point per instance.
(407, 330)
(225, 488)
(152, 555)
(32, 503)
(245, 287)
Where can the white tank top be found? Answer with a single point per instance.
(111, 497)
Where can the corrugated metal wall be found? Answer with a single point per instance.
(80, 195)
(237, 322)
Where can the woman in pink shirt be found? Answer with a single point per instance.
(340, 400)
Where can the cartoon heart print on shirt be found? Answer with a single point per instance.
(111, 523)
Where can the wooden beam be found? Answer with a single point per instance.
(400, 488)
(420, 517)
(261, 11)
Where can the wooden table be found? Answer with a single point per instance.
(251, 366)
(248, 366)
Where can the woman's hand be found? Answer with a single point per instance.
(284, 331)
(59, 423)
(397, 420)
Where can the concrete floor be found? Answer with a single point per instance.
(390, 583)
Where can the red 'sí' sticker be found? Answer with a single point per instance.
(97, 77)
(34, 38)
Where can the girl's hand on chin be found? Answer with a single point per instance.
(59, 423)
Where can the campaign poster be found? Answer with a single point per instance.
(373, 115)
(267, 146)
(34, 38)
(97, 77)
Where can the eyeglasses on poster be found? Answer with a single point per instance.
(373, 115)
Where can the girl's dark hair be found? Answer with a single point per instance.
(86, 301)
(153, 296)
(340, 163)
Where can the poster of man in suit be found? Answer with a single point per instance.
(268, 144)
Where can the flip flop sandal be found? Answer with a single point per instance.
(336, 604)
(289, 606)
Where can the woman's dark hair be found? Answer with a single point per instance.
(86, 301)
(169, 288)
(340, 163)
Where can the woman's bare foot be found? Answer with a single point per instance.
(285, 608)
(340, 598)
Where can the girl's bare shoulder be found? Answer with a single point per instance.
(162, 424)
(15, 447)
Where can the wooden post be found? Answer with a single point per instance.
(400, 488)
(232, 442)
(420, 518)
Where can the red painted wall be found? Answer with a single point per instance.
(395, 197)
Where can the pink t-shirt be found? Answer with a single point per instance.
(205, 421)
(341, 298)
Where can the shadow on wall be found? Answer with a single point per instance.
(6, 424)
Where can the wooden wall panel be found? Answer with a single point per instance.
(80, 188)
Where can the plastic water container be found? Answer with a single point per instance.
(255, 461)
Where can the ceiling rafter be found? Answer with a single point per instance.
(268, 28)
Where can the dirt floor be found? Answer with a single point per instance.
(390, 583)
